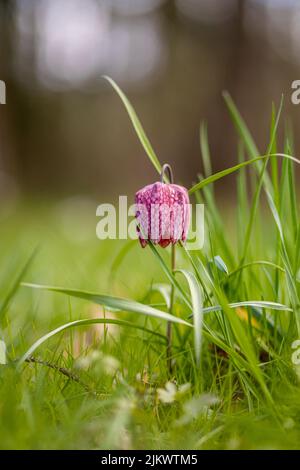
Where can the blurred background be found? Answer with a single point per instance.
(65, 133)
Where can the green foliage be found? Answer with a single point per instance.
(79, 369)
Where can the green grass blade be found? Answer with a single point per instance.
(137, 125)
(228, 171)
(250, 303)
(291, 281)
(293, 199)
(115, 303)
(261, 180)
(242, 197)
(254, 263)
(165, 291)
(215, 223)
(16, 284)
(241, 126)
(283, 186)
(245, 344)
(84, 322)
(170, 276)
(240, 335)
(297, 252)
(245, 134)
(195, 268)
(204, 146)
(197, 304)
(274, 162)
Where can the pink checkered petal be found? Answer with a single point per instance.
(163, 214)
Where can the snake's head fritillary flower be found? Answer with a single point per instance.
(163, 213)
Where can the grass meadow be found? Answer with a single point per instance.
(83, 347)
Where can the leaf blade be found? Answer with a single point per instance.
(117, 303)
(197, 304)
(228, 171)
(83, 322)
(136, 124)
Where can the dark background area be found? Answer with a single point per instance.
(64, 131)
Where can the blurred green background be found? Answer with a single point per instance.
(63, 131)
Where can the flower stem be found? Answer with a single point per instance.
(169, 324)
(166, 168)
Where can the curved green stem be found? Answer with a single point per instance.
(169, 324)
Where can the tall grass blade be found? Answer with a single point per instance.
(16, 284)
(217, 176)
(137, 125)
(84, 322)
(197, 304)
(115, 303)
(250, 303)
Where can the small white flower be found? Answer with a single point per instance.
(289, 423)
(108, 364)
(197, 406)
(171, 392)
